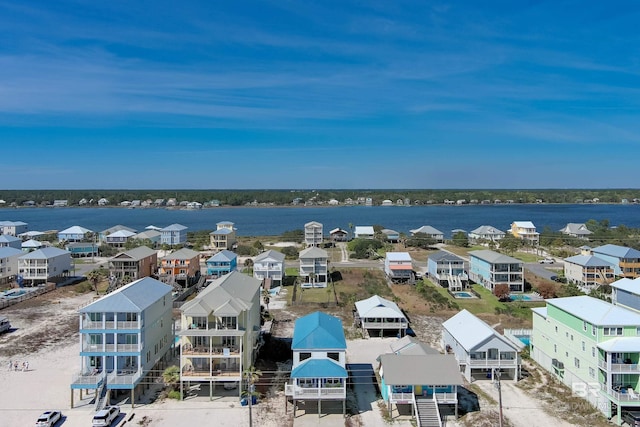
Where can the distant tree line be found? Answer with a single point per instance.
(286, 197)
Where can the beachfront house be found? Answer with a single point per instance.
(447, 270)
(13, 228)
(81, 249)
(9, 263)
(364, 232)
(150, 238)
(134, 264)
(489, 268)
(174, 234)
(223, 237)
(485, 233)
(592, 345)
(626, 260)
(44, 264)
(339, 235)
(588, 271)
(313, 234)
(75, 233)
(378, 316)
(429, 232)
(119, 238)
(102, 236)
(398, 267)
(219, 335)
(526, 231)
(417, 375)
(391, 235)
(269, 268)
(124, 336)
(32, 245)
(314, 267)
(319, 359)
(576, 230)
(181, 267)
(9, 241)
(224, 262)
(479, 349)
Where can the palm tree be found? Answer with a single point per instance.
(94, 278)
(266, 297)
(248, 264)
(251, 375)
(171, 377)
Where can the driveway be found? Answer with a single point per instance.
(541, 270)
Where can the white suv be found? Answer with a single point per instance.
(105, 417)
(49, 419)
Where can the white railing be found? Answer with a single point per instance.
(620, 367)
(314, 392)
(383, 325)
(87, 378)
(622, 397)
(446, 397)
(492, 363)
(127, 377)
(402, 397)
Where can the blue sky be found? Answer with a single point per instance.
(327, 94)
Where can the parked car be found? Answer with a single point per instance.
(106, 417)
(554, 278)
(230, 385)
(631, 417)
(4, 324)
(547, 261)
(49, 419)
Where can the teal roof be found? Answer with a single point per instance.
(319, 368)
(318, 331)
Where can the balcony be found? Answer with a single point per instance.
(112, 348)
(492, 363)
(110, 324)
(217, 351)
(620, 368)
(188, 371)
(373, 324)
(621, 394)
(402, 398)
(87, 380)
(315, 392)
(123, 377)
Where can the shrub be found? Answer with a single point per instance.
(174, 394)
(290, 252)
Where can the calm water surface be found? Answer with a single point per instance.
(274, 221)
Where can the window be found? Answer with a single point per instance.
(95, 317)
(131, 317)
(576, 362)
(584, 346)
(566, 334)
(612, 331)
(593, 351)
(556, 329)
(638, 331)
(305, 356)
(584, 326)
(571, 337)
(334, 355)
(593, 330)
(555, 348)
(592, 372)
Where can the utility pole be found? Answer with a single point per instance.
(496, 376)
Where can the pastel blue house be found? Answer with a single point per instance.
(319, 358)
(224, 262)
(626, 261)
(489, 268)
(123, 336)
(447, 270)
(8, 241)
(417, 375)
(74, 234)
(174, 234)
(82, 249)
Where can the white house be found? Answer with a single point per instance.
(269, 267)
(376, 315)
(398, 266)
(314, 267)
(13, 228)
(9, 241)
(9, 263)
(44, 264)
(588, 270)
(75, 233)
(313, 234)
(430, 232)
(486, 233)
(479, 349)
(363, 232)
(576, 230)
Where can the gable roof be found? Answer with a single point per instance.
(118, 227)
(45, 253)
(184, 253)
(8, 251)
(409, 345)
(174, 227)
(388, 231)
(596, 311)
(76, 229)
(377, 306)
(398, 256)
(338, 230)
(135, 254)
(270, 255)
(223, 255)
(132, 298)
(230, 294)
(313, 252)
(222, 231)
(121, 233)
(524, 224)
(470, 331)
(4, 238)
(575, 228)
(444, 256)
(425, 369)
(629, 285)
(588, 261)
(617, 251)
(426, 229)
(318, 331)
(31, 243)
(364, 229)
(312, 224)
(494, 257)
(487, 229)
(148, 234)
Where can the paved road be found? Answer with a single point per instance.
(544, 270)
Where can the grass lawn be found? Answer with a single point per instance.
(464, 252)
(526, 257)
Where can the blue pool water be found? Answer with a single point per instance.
(520, 297)
(462, 295)
(525, 340)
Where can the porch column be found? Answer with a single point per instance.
(72, 399)
(455, 389)
(133, 397)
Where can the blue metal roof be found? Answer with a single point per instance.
(318, 331)
(132, 298)
(617, 251)
(319, 368)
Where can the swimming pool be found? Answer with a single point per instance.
(462, 295)
(525, 340)
(520, 297)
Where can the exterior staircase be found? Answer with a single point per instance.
(101, 395)
(427, 413)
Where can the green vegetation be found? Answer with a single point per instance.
(437, 296)
(364, 248)
(296, 236)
